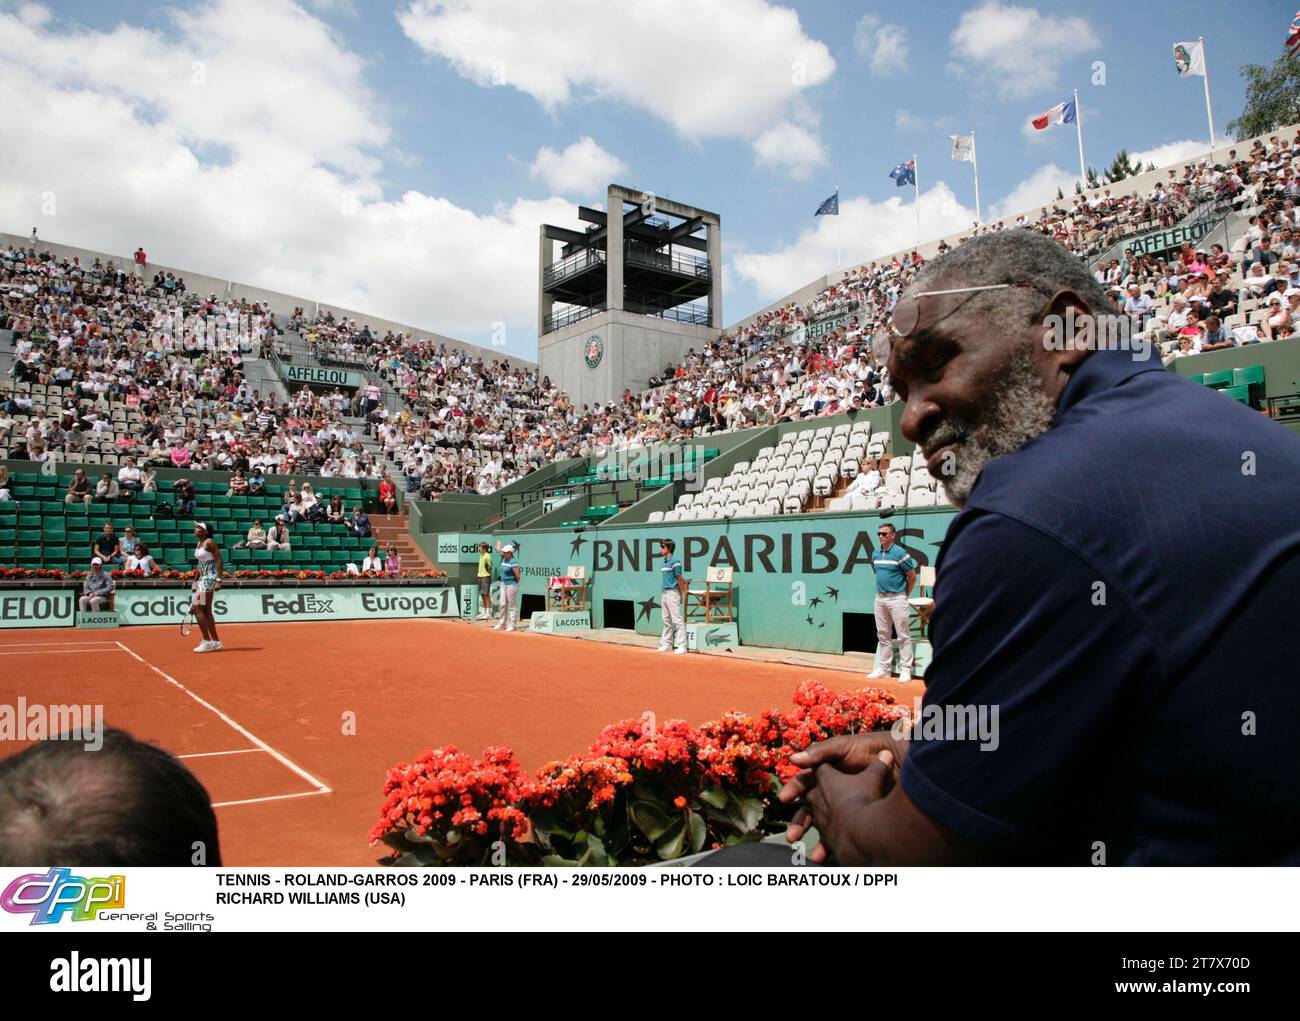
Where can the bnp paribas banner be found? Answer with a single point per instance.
(798, 583)
(249, 605)
(56, 607)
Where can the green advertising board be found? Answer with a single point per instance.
(36, 607)
(320, 375)
(796, 580)
(1164, 240)
(253, 605)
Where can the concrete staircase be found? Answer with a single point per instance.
(394, 530)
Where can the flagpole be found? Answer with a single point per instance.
(974, 162)
(1205, 66)
(839, 259)
(1078, 123)
(916, 180)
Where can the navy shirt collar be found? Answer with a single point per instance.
(1103, 370)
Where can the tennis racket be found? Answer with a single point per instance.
(187, 621)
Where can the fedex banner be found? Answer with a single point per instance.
(31, 608)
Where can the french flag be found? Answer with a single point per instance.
(1062, 113)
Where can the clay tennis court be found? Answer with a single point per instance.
(263, 723)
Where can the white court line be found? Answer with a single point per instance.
(56, 652)
(208, 755)
(42, 645)
(273, 797)
(321, 788)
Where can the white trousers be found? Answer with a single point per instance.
(674, 621)
(893, 613)
(92, 602)
(509, 605)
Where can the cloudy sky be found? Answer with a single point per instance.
(398, 159)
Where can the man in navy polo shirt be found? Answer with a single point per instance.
(895, 575)
(1117, 595)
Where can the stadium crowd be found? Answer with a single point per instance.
(462, 423)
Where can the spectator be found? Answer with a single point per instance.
(373, 563)
(255, 537)
(183, 492)
(359, 523)
(278, 536)
(256, 481)
(148, 480)
(388, 495)
(128, 479)
(5, 494)
(106, 490)
(113, 802)
(336, 514)
(142, 560)
(128, 543)
(98, 588)
(238, 484)
(79, 490)
(393, 563)
(106, 546)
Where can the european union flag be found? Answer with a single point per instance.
(831, 207)
(904, 173)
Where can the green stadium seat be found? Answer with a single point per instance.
(1251, 377)
(1218, 380)
(1237, 393)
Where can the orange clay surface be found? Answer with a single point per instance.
(264, 722)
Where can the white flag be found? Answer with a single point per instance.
(1189, 59)
(963, 147)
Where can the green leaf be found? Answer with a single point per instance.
(558, 861)
(673, 843)
(699, 832)
(649, 818)
(751, 810)
(714, 796)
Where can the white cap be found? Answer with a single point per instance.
(97, 562)
(507, 548)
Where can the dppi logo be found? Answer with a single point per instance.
(47, 898)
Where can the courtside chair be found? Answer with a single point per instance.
(923, 602)
(713, 602)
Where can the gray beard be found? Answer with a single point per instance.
(1018, 410)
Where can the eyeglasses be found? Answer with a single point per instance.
(907, 312)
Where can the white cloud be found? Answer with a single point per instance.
(867, 229)
(791, 150)
(1039, 189)
(1017, 48)
(1171, 152)
(581, 170)
(905, 120)
(883, 46)
(724, 69)
(293, 200)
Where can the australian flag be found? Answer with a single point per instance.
(904, 173)
(831, 207)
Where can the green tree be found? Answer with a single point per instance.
(1122, 166)
(1272, 98)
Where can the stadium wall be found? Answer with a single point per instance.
(796, 578)
(281, 304)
